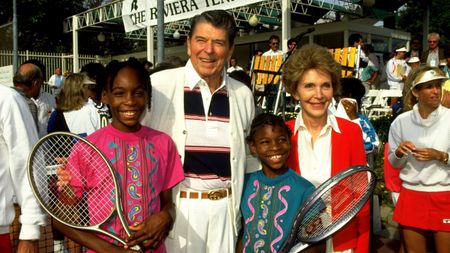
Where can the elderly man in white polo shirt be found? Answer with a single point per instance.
(208, 115)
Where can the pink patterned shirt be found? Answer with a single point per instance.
(147, 163)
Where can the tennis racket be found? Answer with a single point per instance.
(332, 205)
(92, 197)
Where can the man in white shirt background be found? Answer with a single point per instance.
(274, 44)
(56, 81)
(28, 80)
(233, 65)
(434, 55)
(17, 137)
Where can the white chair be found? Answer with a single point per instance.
(369, 101)
(379, 102)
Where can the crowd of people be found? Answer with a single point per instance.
(215, 175)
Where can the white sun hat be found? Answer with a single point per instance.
(402, 49)
(413, 59)
(427, 76)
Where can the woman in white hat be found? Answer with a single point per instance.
(419, 142)
(396, 71)
(413, 62)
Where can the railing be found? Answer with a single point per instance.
(50, 60)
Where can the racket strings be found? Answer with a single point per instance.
(89, 197)
(338, 203)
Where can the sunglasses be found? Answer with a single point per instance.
(432, 41)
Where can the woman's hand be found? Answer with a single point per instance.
(427, 154)
(405, 148)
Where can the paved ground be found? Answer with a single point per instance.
(385, 245)
(386, 238)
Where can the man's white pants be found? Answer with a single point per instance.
(202, 226)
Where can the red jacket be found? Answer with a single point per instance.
(347, 149)
(391, 174)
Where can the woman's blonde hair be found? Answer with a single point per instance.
(72, 95)
(408, 98)
(309, 57)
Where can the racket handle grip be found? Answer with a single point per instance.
(298, 247)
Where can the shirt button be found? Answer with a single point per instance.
(184, 132)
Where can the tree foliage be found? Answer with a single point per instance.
(40, 24)
(411, 18)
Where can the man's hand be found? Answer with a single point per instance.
(26, 246)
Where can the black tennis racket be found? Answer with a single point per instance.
(91, 198)
(332, 205)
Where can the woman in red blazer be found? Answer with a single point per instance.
(322, 144)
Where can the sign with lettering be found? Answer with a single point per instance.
(6, 75)
(134, 14)
(137, 14)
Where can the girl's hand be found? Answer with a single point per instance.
(152, 231)
(118, 249)
(67, 195)
(63, 178)
(313, 226)
(405, 148)
(427, 154)
(350, 108)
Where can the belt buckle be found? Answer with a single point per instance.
(214, 195)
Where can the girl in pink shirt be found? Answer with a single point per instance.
(146, 161)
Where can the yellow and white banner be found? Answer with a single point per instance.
(137, 14)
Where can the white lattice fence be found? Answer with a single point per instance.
(50, 60)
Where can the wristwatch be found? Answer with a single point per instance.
(445, 160)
